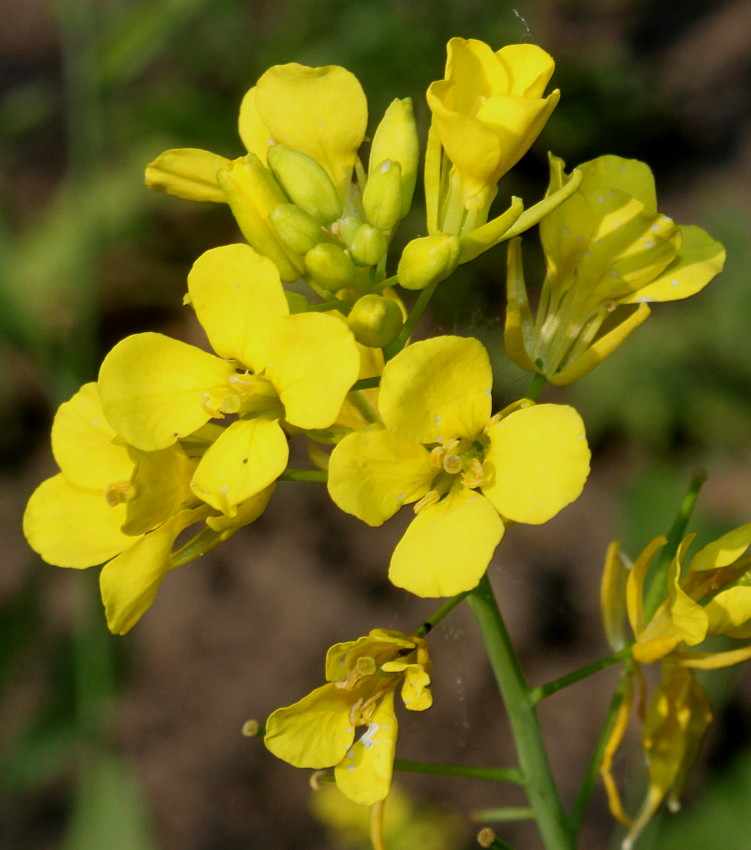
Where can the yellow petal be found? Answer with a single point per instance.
(729, 610)
(437, 390)
(700, 259)
(448, 546)
(245, 459)
(158, 488)
(613, 597)
(372, 473)
(321, 112)
(237, 296)
(247, 512)
(70, 526)
(155, 390)
(188, 173)
(537, 463)
(364, 774)
(635, 584)
(129, 583)
(313, 732)
(82, 442)
(313, 362)
(255, 134)
(631, 176)
(723, 551)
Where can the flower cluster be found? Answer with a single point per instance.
(178, 443)
(707, 597)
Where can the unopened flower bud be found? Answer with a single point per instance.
(299, 231)
(395, 138)
(346, 227)
(329, 266)
(252, 193)
(368, 246)
(306, 183)
(428, 259)
(382, 198)
(375, 321)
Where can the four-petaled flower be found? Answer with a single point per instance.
(321, 730)
(272, 367)
(609, 253)
(468, 472)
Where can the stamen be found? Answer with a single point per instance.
(430, 498)
(365, 665)
(474, 475)
(118, 493)
(452, 464)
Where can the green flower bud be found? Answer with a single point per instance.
(375, 321)
(298, 231)
(382, 198)
(296, 302)
(368, 246)
(252, 193)
(346, 227)
(329, 266)
(428, 259)
(395, 138)
(306, 183)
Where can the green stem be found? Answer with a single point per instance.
(393, 348)
(658, 583)
(525, 727)
(366, 383)
(319, 476)
(442, 612)
(593, 768)
(537, 383)
(503, 815)
(495, 774)
(540, 693)
(344, 305)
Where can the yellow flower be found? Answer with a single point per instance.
(112, 502)
(438, 446)
(609, 253)
(707, 597)
(271, 367)
(321, 730)
(487, 112)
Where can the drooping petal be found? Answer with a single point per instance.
(155, 389)
(416, 694)
(537, 463)
(129, 583)
(448, 545)
(313, 362)
(700, 259)
(364, 774)
(255, 134)
(247, 457)
(321, 112)
(437, 390)
(188, 173)
(313, 732)
(372, 473)
(82, 443)
(237, 296)
(635, 584)
(70, 526)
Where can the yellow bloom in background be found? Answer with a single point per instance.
(609, 253)
(466, 471)
(706, 597)
(321, 730)
(111, 502)
(270, 367)
(487, 111)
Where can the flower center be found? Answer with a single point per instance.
(459, 457)
(250, 395)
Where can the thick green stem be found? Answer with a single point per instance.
(538, 694)
(423, 299)
(537, 383)
(541, 791)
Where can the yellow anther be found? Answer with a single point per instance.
(474, 475)
(118, 492)
(365, 665)
(452, 464)
(430, 498)
(251, 728)
(439, 453)
(231, 403)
